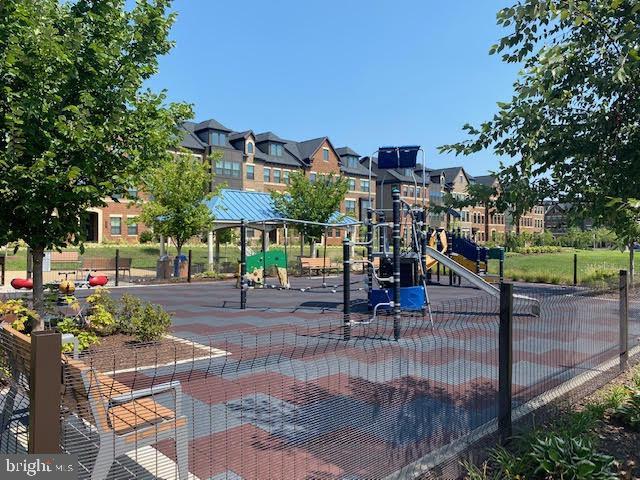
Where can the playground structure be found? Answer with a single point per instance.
(397, 275)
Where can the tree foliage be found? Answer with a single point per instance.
(75, 127)
(177, 191)
(313, 201)
(572, 124)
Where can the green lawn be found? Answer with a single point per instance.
(593, 266)
(145, 256)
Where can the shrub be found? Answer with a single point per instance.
(22, 317)
(628, 412)
(129, 309)
(101, 320)
(151, 323)
(85, 338)
(553, 456)
(145, 237)
(101, 317)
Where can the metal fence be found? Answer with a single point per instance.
(275, 394)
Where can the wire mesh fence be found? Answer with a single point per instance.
(271, 393)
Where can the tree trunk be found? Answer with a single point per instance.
(631, 261)
(313, 248)
(486, 222)
(518, 227)
(301, 244)
(38, 285)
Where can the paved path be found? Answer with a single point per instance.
(294, 400)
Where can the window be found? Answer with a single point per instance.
(352, 184)
(285, 176)
(405, 191)
(249, 147)
(364, 206)
(350, 207)
(325, 154)
(250, 172)
(312, 177)
(132, 229)
(132, 192)
(116, 225)
(275, 149)
(418, 190)
(352, 161)
(330, 232)
(217, 138)
(276, 176)
(266, 174)
(228, 168)
(364, 185)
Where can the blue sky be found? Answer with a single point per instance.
(363, 73)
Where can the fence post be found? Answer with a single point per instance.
(29, 262)
(505, 361)
(243, 265)
(575, 269)
(346, 289)
(396, 263)
(624, 320)
(189, 267)
(117, 266)
(44, 392)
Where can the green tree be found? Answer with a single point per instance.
(517, 196)
(573, 118)
(313, 201)
(178, 190)
(75, 127)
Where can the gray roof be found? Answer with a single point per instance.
(342, 151)
(287, 159)
(488, 180)
(389, 175)
(211, 123)
(449, 173)
(268, 137)
(309, 147)
(190, 140)
(238, 135)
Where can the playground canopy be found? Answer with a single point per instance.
(230, 207)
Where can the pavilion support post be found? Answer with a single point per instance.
(210, 249)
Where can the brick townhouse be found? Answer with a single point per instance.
(453, 180)
(255, 162)
(265, 162)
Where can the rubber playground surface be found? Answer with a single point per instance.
(292, 399)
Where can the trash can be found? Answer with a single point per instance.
(163, 268)
(181, 266)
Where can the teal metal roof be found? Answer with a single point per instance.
(233, 206)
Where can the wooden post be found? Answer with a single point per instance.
(117, 281)
(624, 320)
(505, 361)
(189, 266)
(44, 392)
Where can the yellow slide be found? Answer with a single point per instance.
(429, 261)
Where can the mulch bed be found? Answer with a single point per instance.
(118, 352)
(614, 439)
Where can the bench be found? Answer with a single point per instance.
(99, 264)
(65, 258)
(124, 419)
(317, 265)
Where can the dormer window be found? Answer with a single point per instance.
(352, 161)
(408, 172)
(250, 148)
(217, 138)
(276, 149)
